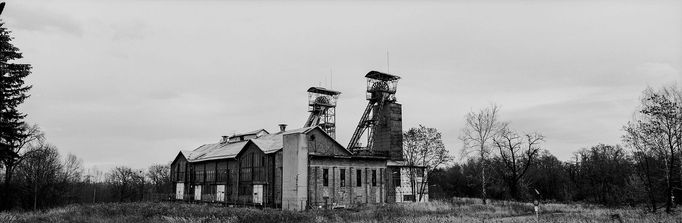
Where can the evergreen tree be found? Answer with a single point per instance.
(13, 92)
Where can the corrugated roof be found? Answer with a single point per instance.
(273, 142)
(269, 143)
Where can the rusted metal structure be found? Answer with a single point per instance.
(381, 110)
(322, 109)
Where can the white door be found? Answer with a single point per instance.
(197, 192)
(179, 191)
(220, 193)
(258, 194)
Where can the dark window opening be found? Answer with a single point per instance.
(358, 178)
(374, 178)
(325, 177)
(342, 175)
(396, 177)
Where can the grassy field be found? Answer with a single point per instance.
(461, 210)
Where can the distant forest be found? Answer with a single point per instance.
(643, 171)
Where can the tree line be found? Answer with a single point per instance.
(502, 163)
(44, 178)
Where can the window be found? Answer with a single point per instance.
(358, 178)
(252, 167)
(222, 173)
(325, 177)
(210, 175)
(199, 174)
(396, 177)
(342, 175)
(374, 178)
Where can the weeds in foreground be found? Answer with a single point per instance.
(460, 210)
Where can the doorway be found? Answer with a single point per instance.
(258, 194)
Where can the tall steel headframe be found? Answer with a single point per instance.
(322, 108)
(381, 88)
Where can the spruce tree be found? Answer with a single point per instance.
(13, 92)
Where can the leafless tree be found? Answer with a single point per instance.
(159, 176)
(126, 182)
(15, 155)
(73, 168)
(423, 147)
(40, 168)
(517, 154)
(477, 135)
(657, 129)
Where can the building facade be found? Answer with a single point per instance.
(303, 168)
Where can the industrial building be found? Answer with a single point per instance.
(307, 168)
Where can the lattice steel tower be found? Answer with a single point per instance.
(382, 119)
(322, 108)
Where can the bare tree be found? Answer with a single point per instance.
(126, 183)
(423, 147)
(159, 175)
(40, 169)
(657, 129)
(477, 135)
(517, 154)
(73, 168)
(14, 155)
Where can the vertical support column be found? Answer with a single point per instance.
(333, 185)
(316, 176)
(367, 185)
(381, 185)
(351, 185)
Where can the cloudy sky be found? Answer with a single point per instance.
(132, 82)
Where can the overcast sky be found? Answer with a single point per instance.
(133, 82)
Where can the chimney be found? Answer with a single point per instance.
(282, 127)
(224, 140)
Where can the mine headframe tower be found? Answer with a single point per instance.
(382, 116)
(322, 108)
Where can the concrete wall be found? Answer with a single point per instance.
(335, 195)
(294, 172)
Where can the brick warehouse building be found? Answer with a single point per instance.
(307, 168)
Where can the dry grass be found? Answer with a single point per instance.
(460, 210)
